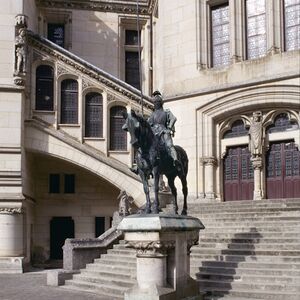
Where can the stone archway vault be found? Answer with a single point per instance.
(38, 139)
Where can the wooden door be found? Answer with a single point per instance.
(283, 171)
(238, 174)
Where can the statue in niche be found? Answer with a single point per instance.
(20, 44)
(256, 135)
(125, 202)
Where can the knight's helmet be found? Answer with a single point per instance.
(157, 99)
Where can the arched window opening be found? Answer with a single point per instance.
(69, 101)
(282, 123)
(93, 115)
(118, 137)
(44, 88)
(237, 129)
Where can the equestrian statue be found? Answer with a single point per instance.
(155, 152)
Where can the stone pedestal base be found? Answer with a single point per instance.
(11, 265)
(162, 243)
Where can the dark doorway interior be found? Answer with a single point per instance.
(238, 174)
(99, 226)
(61, 228)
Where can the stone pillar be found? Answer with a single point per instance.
(162, 243)
(257, 166)
(201, 179)
(209, 169)
(12, 240)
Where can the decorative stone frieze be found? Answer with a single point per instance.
(61, 70)
(11, 210)
(145, 6)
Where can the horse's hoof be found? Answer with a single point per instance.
(148, 210)
(155, 211)
(184, 212)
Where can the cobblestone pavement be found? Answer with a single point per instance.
(32, 286)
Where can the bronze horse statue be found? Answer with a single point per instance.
(152, 158)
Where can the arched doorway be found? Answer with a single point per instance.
(283, 170)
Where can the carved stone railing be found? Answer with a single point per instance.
(79, 252)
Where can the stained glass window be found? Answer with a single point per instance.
(93, 115)
(256, 28)
(282, 123)
(220, 35)
(69, 102)
(118, 137)
(292, 24)
(237, 129)
(44, 88)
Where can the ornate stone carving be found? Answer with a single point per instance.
(111, 97)
(257, 162)
(209, 160)
(61, 70)
(125, 202)
(256, 136)
(145, 7)
(21, 21)
(10, 210)
(86, 84)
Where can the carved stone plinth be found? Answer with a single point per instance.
(163, 244)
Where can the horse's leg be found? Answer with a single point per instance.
(156, 189)
(174, 193)
(146, 191)
(185, 192)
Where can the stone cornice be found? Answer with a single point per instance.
(11, 210)
(86, 68)
(116, 6)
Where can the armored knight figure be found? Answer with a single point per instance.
(162, 124)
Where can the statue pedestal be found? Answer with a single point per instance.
(163, 244)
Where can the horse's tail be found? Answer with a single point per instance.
(183, 158)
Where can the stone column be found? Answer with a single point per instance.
(162, 243)
(257, 166)
(201, 179)
(209, 169)
(12, 240)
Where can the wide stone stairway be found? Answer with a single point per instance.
(249, 250)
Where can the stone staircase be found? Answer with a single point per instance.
(249, 250)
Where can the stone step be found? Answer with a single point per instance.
(101, 289)
(206, 284)
(110, 268)
(247, 235)
(240, 270)
(250, 246)
(251, 240)
(116, 273)
(252, 265)
(231, 294)
(106, 280)
(120, 257)
(122, 251)
(252, 227)
(248, 278)
(115, 261)
(87, 290)
(278, 219)
(196, 257)
(254, 212)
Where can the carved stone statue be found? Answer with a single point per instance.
(124, 203)
(20, 44)
(256, 135)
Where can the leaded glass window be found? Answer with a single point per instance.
(292, 24)
(93, 115)
(69, 102)
(132, 73)
(220, 35)
(44, 88)
(282, 123)
(256, 28)
(56, 34)
(237, 129)
(118, 137)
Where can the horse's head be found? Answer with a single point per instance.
(132, 125)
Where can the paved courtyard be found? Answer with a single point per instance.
(32, 286)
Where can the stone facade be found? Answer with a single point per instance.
(208, 102)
